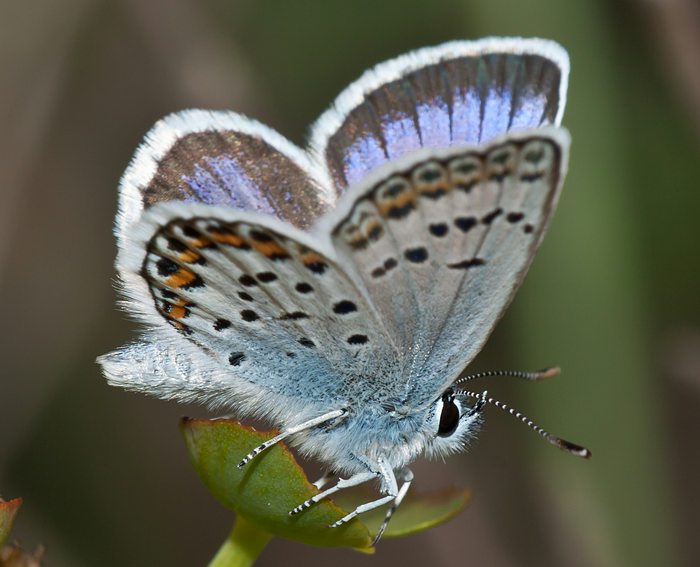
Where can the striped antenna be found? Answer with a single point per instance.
(544, 374)
(553, 439)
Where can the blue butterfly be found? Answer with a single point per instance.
(340, 292)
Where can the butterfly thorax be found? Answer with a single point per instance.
(398, 437)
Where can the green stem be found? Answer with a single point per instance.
(242, 546)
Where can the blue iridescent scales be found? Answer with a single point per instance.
(458, 101)
(339, 292)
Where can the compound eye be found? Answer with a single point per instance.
(449, 418)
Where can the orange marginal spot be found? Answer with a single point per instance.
(179, 309)
(403, 202)
(354, 237)
(228, 237)
(178, 312)
(181, 278)
(200, 242)
(312, 257)
(189, 256)
(270, 249)
(441, 187)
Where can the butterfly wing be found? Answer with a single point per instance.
(262, 312)
(458, 93)
(384, 295)
(222, 158)
(442, 240)
(263, 303)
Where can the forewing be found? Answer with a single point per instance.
(455, 94)
(258, 298)
(442, 240)
(225, 159)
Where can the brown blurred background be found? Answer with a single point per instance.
(613, 296)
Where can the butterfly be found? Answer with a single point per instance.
(340, 292)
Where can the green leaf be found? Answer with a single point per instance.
(266, 489)
(8, 511)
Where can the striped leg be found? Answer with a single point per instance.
(407, 477)
(342, 483)
(290, 431)
(389, 486)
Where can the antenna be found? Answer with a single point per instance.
(553, 439)
(544, 374)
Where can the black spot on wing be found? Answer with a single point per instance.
(439, 229)
(357, 339)
(490, 217)
(416, 255)
(466, 264)
(465, 224)
(249, 315)
(344, 307)
(175, 245)
(166, 267)
(294, 316)
(399, 212)
(236, 358)
(303, 287)
(266, 277)
(221, 324)
(247, 280)
(389, 264)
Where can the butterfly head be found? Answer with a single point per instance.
(451, 421)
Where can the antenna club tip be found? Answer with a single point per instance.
(548, 373)
(572, 448)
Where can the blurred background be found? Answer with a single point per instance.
(613, 296)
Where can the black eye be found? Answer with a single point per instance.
(449, 418)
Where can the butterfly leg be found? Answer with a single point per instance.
(389, 486)
(324, 480)
(407, 477)
(291, 431)
(342, 483)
